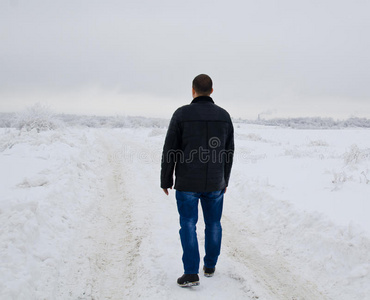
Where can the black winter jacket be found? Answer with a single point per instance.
(199, 146)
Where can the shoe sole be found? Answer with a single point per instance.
(189, 284)
(209, 274)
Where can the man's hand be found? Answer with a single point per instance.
(166, 191)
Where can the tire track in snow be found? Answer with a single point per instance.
(123, 238)
(103, 262)
(270, 274)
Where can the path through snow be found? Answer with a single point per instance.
(129, 247)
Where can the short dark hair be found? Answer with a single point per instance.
(202, 84)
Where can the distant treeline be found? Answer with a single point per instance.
(311, 122)
(33, 118)
(46, 120)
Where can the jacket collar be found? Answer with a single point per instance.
(202, 99)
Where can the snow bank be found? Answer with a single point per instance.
(46, 186)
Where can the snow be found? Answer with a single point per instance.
(82, 216)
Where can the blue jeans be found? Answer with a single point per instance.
(187, 205)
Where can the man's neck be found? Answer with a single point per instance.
(195, 95)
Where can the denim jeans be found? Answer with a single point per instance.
(187, 205)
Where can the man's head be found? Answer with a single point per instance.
(202, 85)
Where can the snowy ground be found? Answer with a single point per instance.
(82, 216)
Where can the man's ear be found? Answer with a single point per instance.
(211, 91)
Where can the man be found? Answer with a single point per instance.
(199, 146)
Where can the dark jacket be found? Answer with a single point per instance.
(199, 146)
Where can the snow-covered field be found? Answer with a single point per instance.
(82, 216)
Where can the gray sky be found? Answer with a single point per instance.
(276, 58)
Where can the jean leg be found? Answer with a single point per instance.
(212, 204)
(187, 205)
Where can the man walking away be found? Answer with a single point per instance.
(199, 148)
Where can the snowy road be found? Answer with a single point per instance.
(130, 247)
(103, 229)
(136, 243)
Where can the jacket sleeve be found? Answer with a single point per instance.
(229, 147)
(170, 150)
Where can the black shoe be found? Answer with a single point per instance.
(188, 280)
(208, 272)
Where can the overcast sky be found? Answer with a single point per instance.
(275, 58)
